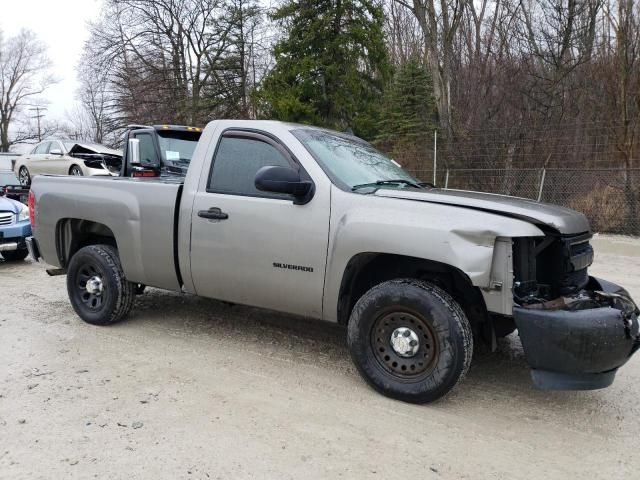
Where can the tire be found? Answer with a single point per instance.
(15, 255)
(111, 295)
(435, 353)
(76, 171)
(24, 176)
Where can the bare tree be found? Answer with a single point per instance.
(439, 22)
(624, 94)
(24, 74)
(179, 61)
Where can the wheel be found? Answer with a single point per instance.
(76, 171)
(98, 290)
(24, 177)
(15, 255)
(410, 340)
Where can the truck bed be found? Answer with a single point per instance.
(140, 213)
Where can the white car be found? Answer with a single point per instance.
(68, 157)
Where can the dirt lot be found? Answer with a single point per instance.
(193, 388)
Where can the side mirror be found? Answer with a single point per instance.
(283, 180)
(134, 151)
(55, 151)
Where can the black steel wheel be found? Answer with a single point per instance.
(410, 340)
(24, 177)
(404, 343)
(98, 290)
(90, 286)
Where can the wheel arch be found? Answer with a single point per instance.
(74, 165)
(365, 270)
(73, 233)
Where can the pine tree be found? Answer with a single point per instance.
(331, 65)
(408, 107)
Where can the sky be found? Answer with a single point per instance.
(62, 26)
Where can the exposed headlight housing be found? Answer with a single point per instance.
(24, 213)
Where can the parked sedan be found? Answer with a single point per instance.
(68, 157)
(14, 228)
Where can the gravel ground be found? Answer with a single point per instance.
(193, 388)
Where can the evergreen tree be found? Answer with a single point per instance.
(331, 65)
(408, 107)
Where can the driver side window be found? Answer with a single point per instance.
(236, 163)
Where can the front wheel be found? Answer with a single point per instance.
(98, 290)
(75, 171)
(24, 177)
(410, 340)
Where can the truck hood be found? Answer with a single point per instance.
(564, 220)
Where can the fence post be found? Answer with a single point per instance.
(435, 155)
(446, 179)
(543, 174)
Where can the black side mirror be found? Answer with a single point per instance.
(283, 180)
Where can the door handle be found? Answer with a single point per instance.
(214, 213)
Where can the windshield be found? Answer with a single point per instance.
(177, 147)
(353, 162)
(8, 178)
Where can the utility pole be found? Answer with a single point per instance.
(38, 116)
(435, 155)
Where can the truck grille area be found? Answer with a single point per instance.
(7, 218)
(551, 267)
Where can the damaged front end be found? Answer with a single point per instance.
(98, 158)
(576, 330)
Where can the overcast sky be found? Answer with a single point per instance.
(61, 25)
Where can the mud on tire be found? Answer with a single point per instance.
(98, 290)
(410, 340)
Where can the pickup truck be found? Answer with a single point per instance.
(158, 150)
(320, 224)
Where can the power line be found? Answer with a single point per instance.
(38, 116)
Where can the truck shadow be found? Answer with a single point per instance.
(502, 376)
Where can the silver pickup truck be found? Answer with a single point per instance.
(320, 224)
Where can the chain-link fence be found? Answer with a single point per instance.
(610, 198)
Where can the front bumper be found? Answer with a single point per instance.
(579, 349)
(12, 237)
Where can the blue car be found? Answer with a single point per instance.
(14, 228)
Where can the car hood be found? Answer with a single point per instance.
(8, 205)
(80, 148)
(564, 220)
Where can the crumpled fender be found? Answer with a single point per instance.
(455, 236)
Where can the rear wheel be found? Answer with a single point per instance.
(98, 290)
(410, 340)
(76, 171)
(15, 255)
(24, 176)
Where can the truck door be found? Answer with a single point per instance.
(263, 250)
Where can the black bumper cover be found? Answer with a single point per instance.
(580, 349)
